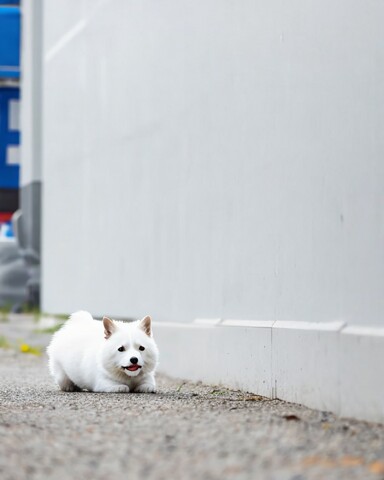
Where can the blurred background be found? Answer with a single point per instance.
(215, 160)
(13, 271)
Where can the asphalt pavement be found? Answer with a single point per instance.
(185, 431)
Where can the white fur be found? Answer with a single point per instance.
(80, 357)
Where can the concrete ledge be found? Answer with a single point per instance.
(235, 357)
(305, 363)
(327, 366)
(362, 373)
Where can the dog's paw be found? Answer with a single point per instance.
(103, 388)
(145, 388)
(70, 388)
(67, 388)
(120, 389)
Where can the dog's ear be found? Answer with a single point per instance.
(109, 327)
(145, 324)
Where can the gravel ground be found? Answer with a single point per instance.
(185, 431)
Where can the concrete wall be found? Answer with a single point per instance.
(28, 223)
(214, 158)
(31, 91)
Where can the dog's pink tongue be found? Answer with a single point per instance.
(133, 368)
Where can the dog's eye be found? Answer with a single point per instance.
(121, 349)
(142, 348)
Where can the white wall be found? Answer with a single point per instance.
(214, 158)
(31, 94)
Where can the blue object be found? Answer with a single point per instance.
(9, 173)
(6, 230)
(9, 42)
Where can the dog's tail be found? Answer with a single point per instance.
(80, 316)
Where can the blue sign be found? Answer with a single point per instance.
(9, 42)
(9, 138)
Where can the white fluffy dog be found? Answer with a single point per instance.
(106, 356)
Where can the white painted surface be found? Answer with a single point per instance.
(208, 321)
(362, 373)
(214, 159)
(13, 155)
(14, 115)
(305, 363)
(237, 357)
(324, 366)
(31, 91)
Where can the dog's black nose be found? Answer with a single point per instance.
(133, 360)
